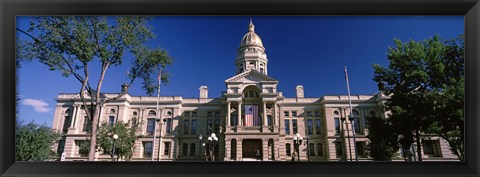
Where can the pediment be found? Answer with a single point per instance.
(251, 76)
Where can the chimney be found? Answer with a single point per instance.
(203, 91)
(299, 91)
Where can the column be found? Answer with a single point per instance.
(280, 113)
(265, 121)
(265, 149)
(228, 149)
(239, 113)
(228, 114)
(239, 149)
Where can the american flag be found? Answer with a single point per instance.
(251, 115)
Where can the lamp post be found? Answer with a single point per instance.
(200, 137)
(115, 137)
(297, 141)
(212, 141)
(308, 147)
(400, 139)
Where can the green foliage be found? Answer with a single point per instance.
(383, 144)
(34, 142)
(124, 145)
(425, 82)
(71, 44)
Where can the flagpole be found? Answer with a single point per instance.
(154, 125)
(351, 115)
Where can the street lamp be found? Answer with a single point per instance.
(115, 137)
(308, 147)
(400, 139)
(297, 141)
(200, 137)
(212, 140)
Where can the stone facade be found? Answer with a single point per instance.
(322, 122)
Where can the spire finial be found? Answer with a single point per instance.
(251, 27)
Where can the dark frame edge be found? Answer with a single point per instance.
(8, 167)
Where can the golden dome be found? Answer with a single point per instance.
(251, 38)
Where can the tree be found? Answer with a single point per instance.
(384, 147)
(34, 142)
(418, 80)
(72, 44)
(124, 145)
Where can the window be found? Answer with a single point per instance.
(428, 147)
(166, 149)
(317, 113)
(168, 126)
(112, 111)
(61, 147)
(261, 70)
(186, 126)
(319, 149)
(169, 113)
(133, 123)
(356, 124)
(295, 127)
(216, 126)
(311, 149)
(233, 120)
(309, 113)
(209, 126)
(339, 148)
(288, 149)
(194, 127)
(285, 113)
(150, 126)
(209, 113)
(287, 127)
(192, 149)
(187, 113)
(233, 152)
(294, 113)
(184, 149)
(87, 124)
(269, 120)
(194, 114)
(337, 124)
(217, 113)
(360, 148)
(310, 126)
(147, 149)
(134, 113)
(152, 113)
(318, 127)
(111, 120)
(335, 113)
(66, 123)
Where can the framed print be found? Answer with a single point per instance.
(284, 88)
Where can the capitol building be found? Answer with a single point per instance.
(251, 120)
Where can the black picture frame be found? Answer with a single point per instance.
(10, 8)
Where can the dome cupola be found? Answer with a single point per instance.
(251, 38)
(251, 53)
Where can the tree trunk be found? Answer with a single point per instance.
(417, 137)
(93, 137)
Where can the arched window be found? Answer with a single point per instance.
(336, 113)
(134, 113)
(152, 113)
(112, 111)
(169, 113)
(67, 111)
(355, 113)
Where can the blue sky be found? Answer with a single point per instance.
(301, 50)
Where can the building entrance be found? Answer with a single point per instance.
(252, 148)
